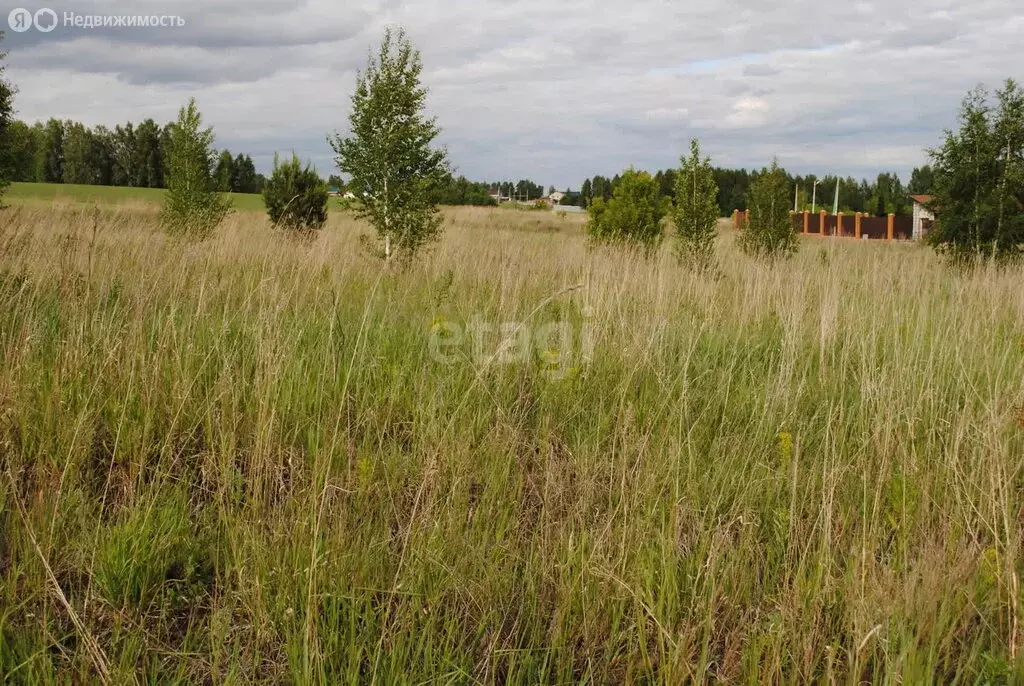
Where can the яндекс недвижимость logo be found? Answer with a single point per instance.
(21, 20)
(45, 20)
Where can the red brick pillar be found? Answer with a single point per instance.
(839, 224)
(892, 226)
(821, 223)
(856, 226)
(807, 221)
(746, 219)
(736, 219)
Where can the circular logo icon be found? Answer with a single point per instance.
(46, 20)
(20, 20)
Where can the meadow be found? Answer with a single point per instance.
(43, 195)
(260, 460)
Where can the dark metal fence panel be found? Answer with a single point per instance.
(904, 229)
(875, 228)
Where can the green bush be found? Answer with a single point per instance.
(633, 214)
(771, 232)
(296, 196)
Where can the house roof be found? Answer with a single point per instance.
(921, 199)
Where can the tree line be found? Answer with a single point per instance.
(449, 190)
(886, 195)
(133, 155)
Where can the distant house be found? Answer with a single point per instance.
(333, 191)
(349, 195)
(556, 197)
(924, 218)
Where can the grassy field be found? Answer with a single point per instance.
(43, 195)
(255, 460)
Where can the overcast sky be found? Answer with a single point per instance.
(552, 91)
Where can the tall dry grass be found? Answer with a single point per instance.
(241, 462)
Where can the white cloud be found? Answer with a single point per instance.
(748, 113)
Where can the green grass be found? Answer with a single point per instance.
(243, 461)
(45, 194)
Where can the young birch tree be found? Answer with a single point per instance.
(192, 208)
(388, 154)
(696, 210)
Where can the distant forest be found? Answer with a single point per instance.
(134, 155)
(885, 195)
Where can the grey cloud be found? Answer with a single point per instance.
(553, 93)
(755, 70)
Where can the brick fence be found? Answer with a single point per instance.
(859, 225)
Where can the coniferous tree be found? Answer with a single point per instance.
(771, 232)
(979, 179)
(696, 210)
(632, 216)
(244, 175)
(296, 197)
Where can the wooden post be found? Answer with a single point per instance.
(839, 225)
(856, 226)
(892, 225)
(807, 221)
(821, 223)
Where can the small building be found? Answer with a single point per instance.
(924, 218)
(556, 197)
(349, 195)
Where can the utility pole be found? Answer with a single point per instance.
(835, 206)
(814, 197)
(796, 198)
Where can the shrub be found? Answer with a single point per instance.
(633, 214)
(296, 196)
(771, 232)
(192, 208)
